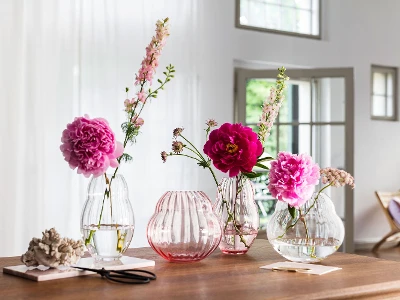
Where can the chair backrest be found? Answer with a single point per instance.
(384, 199)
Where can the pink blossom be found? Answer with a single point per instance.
(141, 96)
(90, 145)
(153, 52)
(336, 177)
(234, 148)
(137, 121)
(270, 111)
(292, 178)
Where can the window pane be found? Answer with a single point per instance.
(303, 21)
(329, 100)
(389, 84)
(389, 107)
(378, 106)
(329, 151)
(298, 16)
(257, 90)
(379, 84)
(295, 139)
(265, 202)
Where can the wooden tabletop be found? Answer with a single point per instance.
(222, 277)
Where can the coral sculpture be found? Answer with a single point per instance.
(52, 251)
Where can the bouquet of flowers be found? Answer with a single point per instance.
(89, 145)
(234, 149)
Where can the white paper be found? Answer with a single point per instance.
(314, 269)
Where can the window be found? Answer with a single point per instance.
(383, 93)
(316, 117)
(293, 17)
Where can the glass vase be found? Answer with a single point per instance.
(238, 214)
(183, 227)
(312, 235)
(107, 221)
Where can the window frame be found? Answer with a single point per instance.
(385, 70)
(241, 77)
(275, 31)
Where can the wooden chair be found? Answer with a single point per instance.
(384, 199)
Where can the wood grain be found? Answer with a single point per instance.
(223, 277)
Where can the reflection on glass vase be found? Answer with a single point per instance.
(107, 221)
(238, 214)
(184, 228)
(315, 233)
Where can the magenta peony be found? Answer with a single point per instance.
(234, 148)
(90, 145)
(292, 178)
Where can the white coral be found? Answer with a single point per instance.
(52, 251)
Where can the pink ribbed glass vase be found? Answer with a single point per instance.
(184, 227)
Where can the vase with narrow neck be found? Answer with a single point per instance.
(183, 227)
(238, 214)
(313, 234)
(107, 221)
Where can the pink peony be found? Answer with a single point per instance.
(90, 145)
(292, 178)
(234, 148)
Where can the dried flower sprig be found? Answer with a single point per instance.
(336, 177)
(271, 106)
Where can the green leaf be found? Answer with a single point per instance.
(252, 175)
(265, 159)
(262, 166)
(292, 211)
(126, 89)
(126, 157)
(204, 164)
(159, 80)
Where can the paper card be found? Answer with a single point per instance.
(314, 269)
(42, 273)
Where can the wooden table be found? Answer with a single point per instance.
(223, 277)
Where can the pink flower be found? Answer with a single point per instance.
(137, 121)
(234, 148)
(141, 96)
(153, 52)
(292, 178)
(90, 145)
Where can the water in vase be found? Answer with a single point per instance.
(234, 243)
(306, 250)
(107, 242)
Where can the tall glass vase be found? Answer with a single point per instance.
(312, 235)
(238, 214)
(107, 220)
(184, 228)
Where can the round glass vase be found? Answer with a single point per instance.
(183, 227)
(313, 234)
(107, 220)
(238, 214)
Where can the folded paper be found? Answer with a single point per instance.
(312, 268)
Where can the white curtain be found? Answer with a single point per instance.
(61, 59)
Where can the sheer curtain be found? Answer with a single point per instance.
(61, 59)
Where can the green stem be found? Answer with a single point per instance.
(308, 210)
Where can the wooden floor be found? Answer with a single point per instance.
(392, 253)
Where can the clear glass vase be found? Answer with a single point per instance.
(107, 221)
(311, 236)
(238, 214)
(183, 227)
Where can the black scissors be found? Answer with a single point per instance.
(132, 276)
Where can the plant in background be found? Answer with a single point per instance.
(234, 149)
(89, 144)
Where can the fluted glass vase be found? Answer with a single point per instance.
(312, 235)
(184, 228)
(107, 221)
(238, 214)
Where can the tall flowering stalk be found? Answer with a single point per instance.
(92, 148)
(271, 106)
(233, 148)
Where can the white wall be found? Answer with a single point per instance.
(204, 46)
